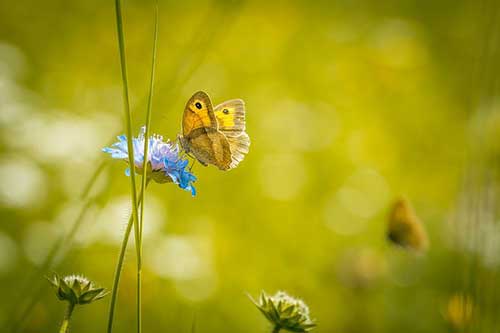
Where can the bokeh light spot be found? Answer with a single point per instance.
(283, 176)
(22, 183)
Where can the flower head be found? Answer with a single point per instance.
(164, 163)
(285, 312)
(76, 289)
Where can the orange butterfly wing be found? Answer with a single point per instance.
(198, 114)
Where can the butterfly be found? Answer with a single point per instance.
(405, 228)
(215, 135)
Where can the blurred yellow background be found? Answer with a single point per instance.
(349, 105)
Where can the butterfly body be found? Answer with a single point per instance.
(214, 135)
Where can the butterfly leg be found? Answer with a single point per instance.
(184, 153)
(192, 165)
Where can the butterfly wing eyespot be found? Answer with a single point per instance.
(198, 113)
(230, 117)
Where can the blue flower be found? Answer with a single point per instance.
(164, 163)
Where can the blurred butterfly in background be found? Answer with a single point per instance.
(405, 228)
(215, 135)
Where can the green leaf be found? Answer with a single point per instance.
(90, 296)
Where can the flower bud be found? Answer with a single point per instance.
(76, 289)
(285, 312)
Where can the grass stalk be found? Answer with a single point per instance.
(193, 323)
(128, 120)
(148, 119)
(145, 169)
(119, 266)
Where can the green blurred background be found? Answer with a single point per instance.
(350, 104)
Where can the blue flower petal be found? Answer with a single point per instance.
(163, 156)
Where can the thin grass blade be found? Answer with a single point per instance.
(131, 159)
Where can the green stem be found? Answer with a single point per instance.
(148, 118)
(276, 329)
(118, 270)
(67, 317)
(145, 170)
(128, 120)
(130, 148)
